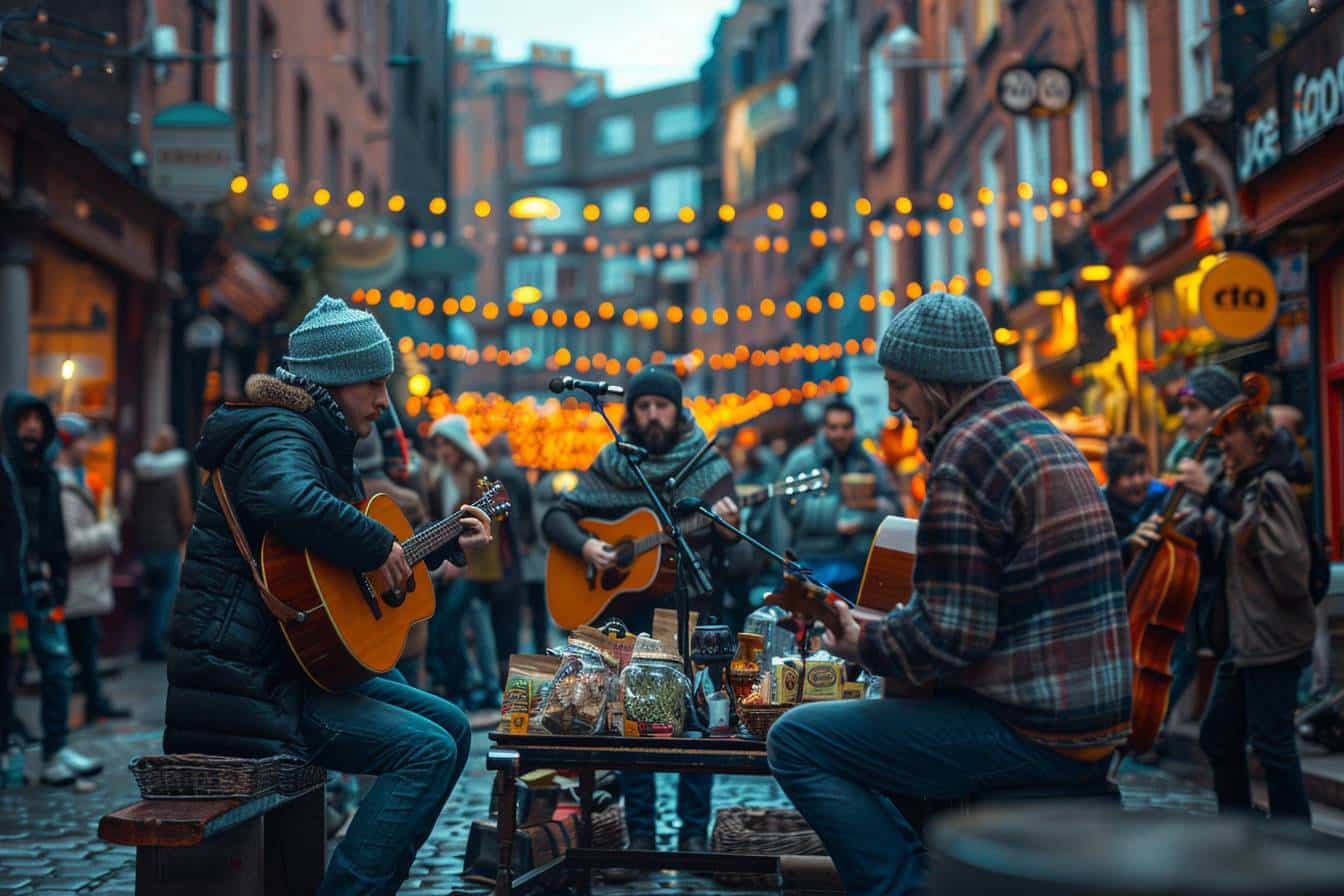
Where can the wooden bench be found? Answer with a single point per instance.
(273, 844)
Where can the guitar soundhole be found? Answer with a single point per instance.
(613, 576)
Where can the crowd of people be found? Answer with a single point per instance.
(1018, 625)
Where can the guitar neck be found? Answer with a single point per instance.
(430, 539)
(696, 523)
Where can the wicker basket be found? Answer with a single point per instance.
(772, 832)
(201, 776)
(758, 719)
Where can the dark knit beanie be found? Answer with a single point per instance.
(654, 381)
(1212, 387)
(941, 338)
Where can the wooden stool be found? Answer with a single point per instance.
(274, 844)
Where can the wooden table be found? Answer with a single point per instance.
(513, 755)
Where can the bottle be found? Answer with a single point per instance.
(745, 668)
(720, 708)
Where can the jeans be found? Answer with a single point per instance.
(84, 635)
(1255, 703)
(836, 761)
(641, 801)
(484, 676)
(51, 650)
(541, 616)
(417, 744)
(161, 569)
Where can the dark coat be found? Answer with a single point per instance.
(44, 535)
(286, 459)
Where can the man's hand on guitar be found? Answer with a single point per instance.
(842, 631)
(598, 554)
(395, 570)
(475, 528)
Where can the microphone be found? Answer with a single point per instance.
(691, 505)
(595, 389)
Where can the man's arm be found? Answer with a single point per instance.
(280, 487)
(952, 619)
(561, 528)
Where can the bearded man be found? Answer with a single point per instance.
(655, 421)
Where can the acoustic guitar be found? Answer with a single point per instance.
(577, 592)
(348, 631)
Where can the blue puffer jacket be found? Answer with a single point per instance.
(287, 462)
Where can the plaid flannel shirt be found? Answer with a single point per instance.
(1019, 596)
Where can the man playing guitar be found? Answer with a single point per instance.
(286, 459)
(1016, 632)
(655, 421)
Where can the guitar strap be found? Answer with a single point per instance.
(283, 611)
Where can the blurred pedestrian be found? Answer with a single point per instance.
(159, 500)
(1132, 493)
(93, 538)
(1264, 628)
(30, 432)
(515, 536)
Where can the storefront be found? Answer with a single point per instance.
(1290, 168)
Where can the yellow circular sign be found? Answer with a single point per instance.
(1237, 297)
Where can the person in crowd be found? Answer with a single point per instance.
(157, 498)
(13, 602)
(829, 531)
(744, 567)
(93, 539)
(30, 433)
(1014, 648)
(469, 678)
(1133, 494)
(514, 538)
(655, 421)
(285, 459)
(1264, 627)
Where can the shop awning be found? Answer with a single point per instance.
(247, 290)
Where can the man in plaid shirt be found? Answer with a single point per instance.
(1017, 630)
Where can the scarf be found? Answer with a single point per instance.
(609, 488)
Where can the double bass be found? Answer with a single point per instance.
(1161, 584)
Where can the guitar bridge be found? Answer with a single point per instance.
(371, 599)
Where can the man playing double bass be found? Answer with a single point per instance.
(1016, 631)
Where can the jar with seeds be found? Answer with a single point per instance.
(656, 693)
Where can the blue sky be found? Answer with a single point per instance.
(640, 43)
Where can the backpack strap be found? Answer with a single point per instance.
(282, 611)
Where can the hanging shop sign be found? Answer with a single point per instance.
(1293, 334)
(1294, 101)
(1036, 89)
(1237, 297)
(194, 151)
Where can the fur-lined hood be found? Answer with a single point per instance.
(283, 399)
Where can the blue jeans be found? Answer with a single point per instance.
(1255, 703)
(51, 650)
(417, 744)
(161, 569)
(641, 803)
(836, 761)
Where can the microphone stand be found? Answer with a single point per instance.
(692, 579)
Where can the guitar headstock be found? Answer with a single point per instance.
(813, 480)
(494, 499)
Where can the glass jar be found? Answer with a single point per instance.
(778, 641)
(656, 692)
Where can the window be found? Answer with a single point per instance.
(303, 111)
(1138, 90)
(617, 276)
(989, 177)
(616, 135)
(531, 270)
(674, 123)
(986, 20)
(673, 189)
(267, 111)
(356, 174)
(1080, 140)
(884, 276)
(410, 92)
(1196, 67)
(566, 280)
(933, 96)
(1033, 168)
(333, 177)
(541, 144)
(960, 248)
(570, 219)
(956, 52)
(618, 205)
(881, 89)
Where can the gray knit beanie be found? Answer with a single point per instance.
(941, 338)
(1212, 386)
(336, 345)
